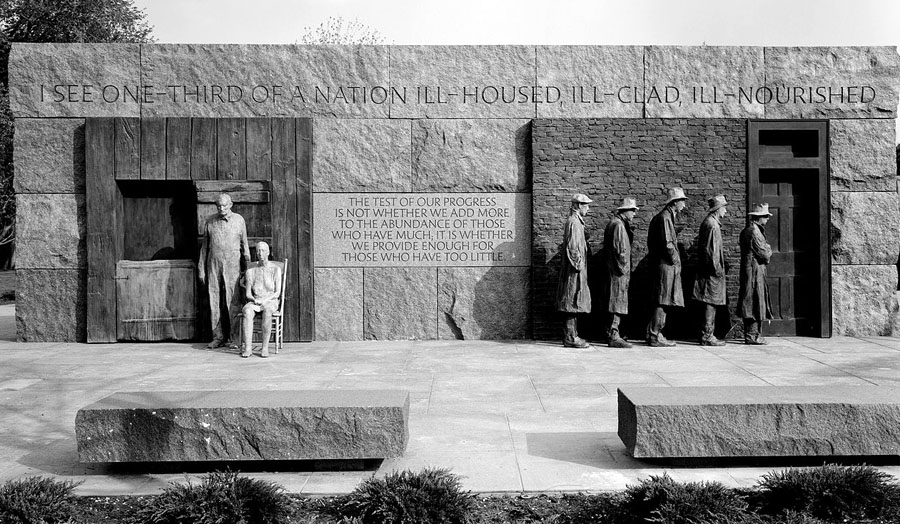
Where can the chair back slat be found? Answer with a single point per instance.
(284, 267)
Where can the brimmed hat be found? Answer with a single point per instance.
(717, 202)
(581, 199)
(628, 203)
(675, 193)
(760, 210)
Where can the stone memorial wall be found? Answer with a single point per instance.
(395, 124)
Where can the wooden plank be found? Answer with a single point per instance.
(304, 234)
(156, 300)
(258, 218)
(284, 218)
(203, 149)
(259, 148)
(178, 148)
(153, 149)
(256, 197)
(231, 148)
(101, 196)
(228, 186)
(127, 148)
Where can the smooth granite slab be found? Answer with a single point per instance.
(760, 421)
(170, 426)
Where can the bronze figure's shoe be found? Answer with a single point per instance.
(576, 342)
(619, 342)
(659, 342)
(247, 352)
(711, 341)
(264, 353)
(757, 341)
(216, 342)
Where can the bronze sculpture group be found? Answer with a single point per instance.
(709, 290)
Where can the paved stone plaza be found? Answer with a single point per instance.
(510, 417)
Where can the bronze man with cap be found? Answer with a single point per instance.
(753, 297)
(662, 245)
(572, 294)
(617, 238)
(709, 286)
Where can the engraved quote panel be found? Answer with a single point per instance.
(421, 229)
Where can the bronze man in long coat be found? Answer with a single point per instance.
(573, 295)
(753, 298)
(709, 286)
(662, 245)
(617, 239)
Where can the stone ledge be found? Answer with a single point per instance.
(170, 426)
(683, 422)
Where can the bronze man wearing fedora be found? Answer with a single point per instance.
(572, 294)
(617, 239)
(709, 286)
(753, 298)
(662, 245)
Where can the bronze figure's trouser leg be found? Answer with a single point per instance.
(751, 329)
(231, 273)
(213, 283)
(709, 320)
(266, 328)
(657, 322)
(613, 324)
(571, 331)
(248, 328)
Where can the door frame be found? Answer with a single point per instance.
(757, 161)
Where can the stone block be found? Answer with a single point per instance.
(794, 421)
(471, 155)
(176, 426)
(464, 81)
(863, 81)
(862, 155)
(865, 227)
(48, 155)
(339, 303)
(78, 80)
(400, 303)
(232, 80)
(50, 231)
(594, 81)
(865, 300)
(50, 305)
(711, 81)
(484, 303)
(361, 155)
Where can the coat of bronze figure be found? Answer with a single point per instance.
(709, 286)
(617, 238)
(753, 298)
(224, 242)
(662, 247)
(572, 293)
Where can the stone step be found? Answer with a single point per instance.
(754, 421)
(174, 426)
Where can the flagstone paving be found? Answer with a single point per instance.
(508, 416)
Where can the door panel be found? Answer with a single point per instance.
(788, 165)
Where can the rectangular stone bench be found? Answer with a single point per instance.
(687, 422)
(170, 426)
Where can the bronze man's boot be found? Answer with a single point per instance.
(707, 338)
(571, 338)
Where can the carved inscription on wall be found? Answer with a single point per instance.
(421, 229)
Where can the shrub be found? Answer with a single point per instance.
(661, 499)
(830, 492)
(36, 499)
(589, 509)
(220, 498)
(432, 495)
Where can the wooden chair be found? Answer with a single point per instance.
(277, 315)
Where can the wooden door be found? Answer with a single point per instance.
(156, 300)
(788, 164)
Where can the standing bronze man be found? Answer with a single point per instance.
(753, 298)
(224, 240)
(662, 245)
(709, 286)
(617, 238)
(572, 293)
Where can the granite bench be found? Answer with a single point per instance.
(181, 426)
(795, 421)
